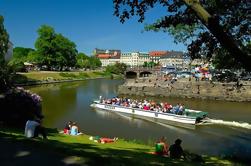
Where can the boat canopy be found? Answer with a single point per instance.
(197, 114)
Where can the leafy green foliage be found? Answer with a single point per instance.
(205, 27)
(4, 40)
(149, 64)
(53, 49)
(6, 73)
(94, 62)
(83, 61)
(20, 55)
(118, 68)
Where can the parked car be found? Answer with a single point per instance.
(168, 69)
(246, 77)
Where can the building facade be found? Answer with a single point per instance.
(134, 59)
(156, 55)
(107, 59)
(173, 58)
(98, 51)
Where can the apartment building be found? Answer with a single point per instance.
(173, 58)
(134, 58)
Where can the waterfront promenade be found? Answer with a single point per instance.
(187, 88)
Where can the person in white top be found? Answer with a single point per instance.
(33, 128)
(30, 127)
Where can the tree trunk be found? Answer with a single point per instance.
(222, 36)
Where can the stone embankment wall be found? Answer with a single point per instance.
(187, 89)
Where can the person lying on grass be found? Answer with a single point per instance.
(103, 140)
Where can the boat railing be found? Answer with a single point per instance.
(138, 109)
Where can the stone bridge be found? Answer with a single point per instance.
(137, 72)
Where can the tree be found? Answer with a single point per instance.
(82, 61)
(149, 64)
(20, 55)
(118, 68)
(4, 41)
(5, 71)
(206, 26)
(95, 62)
(54, 50)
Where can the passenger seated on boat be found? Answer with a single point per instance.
(161, 146)
(181, 109)
(133, 105)
(109, 102)
(168, 106)
(176, 108)
(118, 102)
(140, 106)
(145, 107)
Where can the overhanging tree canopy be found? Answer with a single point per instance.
(206, 26)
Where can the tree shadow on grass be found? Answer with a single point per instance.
(22, 151)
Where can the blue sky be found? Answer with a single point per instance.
(88, 23)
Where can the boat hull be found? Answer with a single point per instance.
(159, 117)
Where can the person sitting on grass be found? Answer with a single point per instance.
(33, 128)
(176, 150)
(75, 129)
(67, 128)
(161, 146)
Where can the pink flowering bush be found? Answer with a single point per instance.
(19, 105)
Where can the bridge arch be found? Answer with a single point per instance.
(145, 74)
(131, 74)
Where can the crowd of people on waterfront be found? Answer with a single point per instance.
(146, 105)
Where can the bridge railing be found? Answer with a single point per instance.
(143, 68)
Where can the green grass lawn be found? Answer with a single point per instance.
(60, 76)
(83, 151)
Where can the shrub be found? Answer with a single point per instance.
(19, 105)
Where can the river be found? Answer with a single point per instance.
(230, 135)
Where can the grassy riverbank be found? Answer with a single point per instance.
(38, 77)
(79, 150)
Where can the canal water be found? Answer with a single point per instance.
(228, 135)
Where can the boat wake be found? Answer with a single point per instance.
(228, 123)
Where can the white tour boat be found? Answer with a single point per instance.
(189, 117)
